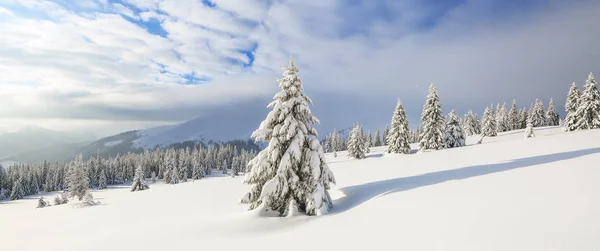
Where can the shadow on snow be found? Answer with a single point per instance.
(358, 194)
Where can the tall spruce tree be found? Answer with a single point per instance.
(469, 124)
(77, 181)
(571, 106)
(502, 119)
(552, 115)
(356, 148)
(386, 131)
(291, 172)
(538, 114)
(102, 182)
(488, 128)
(588, 111)
(377, 138)
(370, 141)
(366, 142)
(433, 123)
(523, 116)
(455, 135)
(513, 117)
(477, 125)
(398, 137)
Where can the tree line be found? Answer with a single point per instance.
(173, 165)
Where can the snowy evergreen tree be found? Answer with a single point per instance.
(356, 144)
(369, 140)
(478, 124)
(398, 141)
(291, 171)
(529, 130)
(433, 123)
(538, 114)
(386, 131)
(17, 191)
(454, 136)
(489, 124)
(588, 111)
(365, 140)
(138, 180)
(469, 124)
(377, 138)
(102, 180)
(552, 115)
(523, 116)
(571, 106)
(501, 119)
(77, 181)
(513, 117)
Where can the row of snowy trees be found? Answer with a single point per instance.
(172, 165)
(494, 121)
(436, 132)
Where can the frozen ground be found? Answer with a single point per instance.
(508, 193)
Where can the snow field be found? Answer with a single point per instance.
(507, 193)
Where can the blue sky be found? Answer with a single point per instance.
(110, 66)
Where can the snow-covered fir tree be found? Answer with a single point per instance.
(469, 124)
(538, 114)
(488, 129)
(291, 171)
(552, 115)
(454, 136)
(588, 111)
(571, 106)
(77, 181)
(370, 140)
(523, 116)
(513, 117)
(478, 124)
(433, 123)
(102, 180)
(529, 130)
(501, 119)
(398, 137)
(138, 180)
(377, 138)
(386, 131)
(17, 190)
(356, 143)
(366, 142)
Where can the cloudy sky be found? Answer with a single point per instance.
(110, 66)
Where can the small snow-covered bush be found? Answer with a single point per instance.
(62, 199)
(88, 200)
(42, 203)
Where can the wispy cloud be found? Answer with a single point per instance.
(154, 61)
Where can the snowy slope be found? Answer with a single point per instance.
(508, 193)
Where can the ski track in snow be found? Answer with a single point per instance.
(507, 193)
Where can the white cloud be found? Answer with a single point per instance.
(144, 4)
(150, 15)
(74, 62)
(121, 9)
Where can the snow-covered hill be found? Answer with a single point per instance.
(508, 193)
